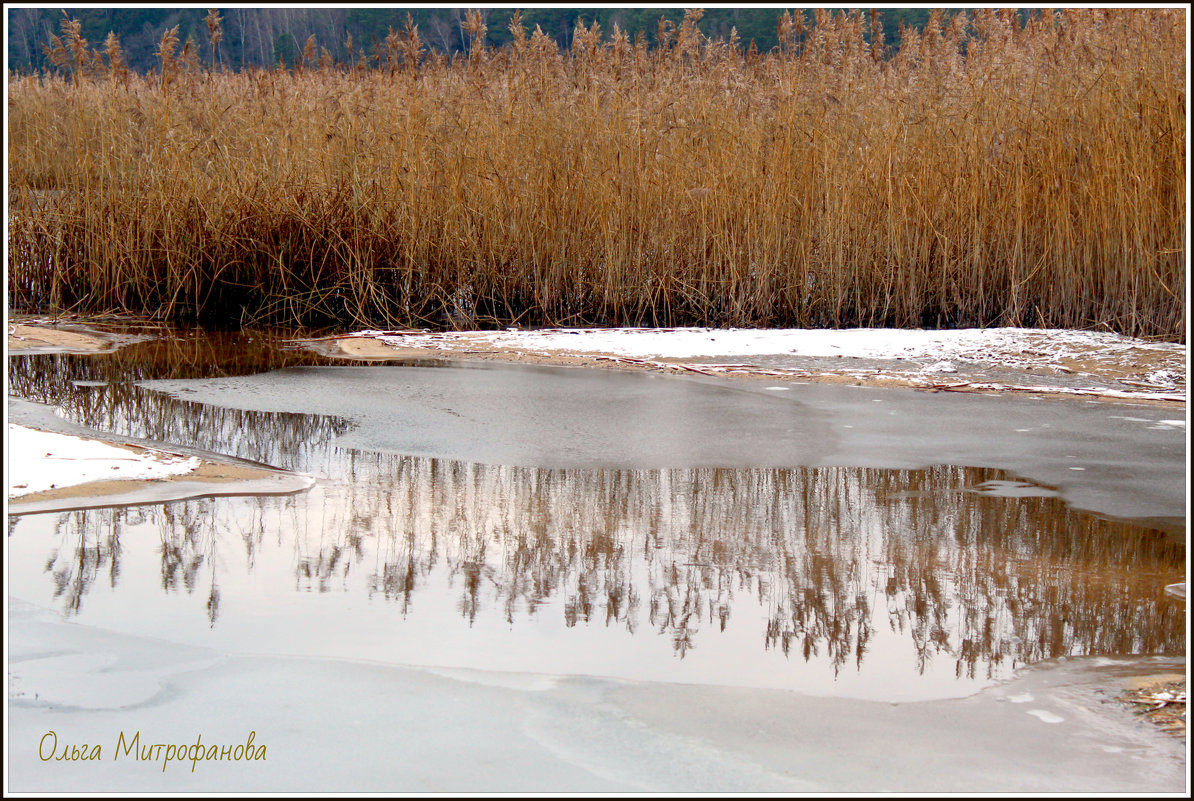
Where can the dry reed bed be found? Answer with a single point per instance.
(985, 174)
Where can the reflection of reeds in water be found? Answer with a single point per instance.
(1032, 579)
(189, 544)
(831, 555)
(101, 393)
(89, 541)
(81, 554)
(173, 353)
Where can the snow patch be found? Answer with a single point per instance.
(1046, 716)
(44, 460)
(1013, 345)
(919, 356)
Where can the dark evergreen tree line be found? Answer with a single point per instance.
(263, 37)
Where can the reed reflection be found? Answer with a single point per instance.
(80, 556)
(821, 560)
(101, 392)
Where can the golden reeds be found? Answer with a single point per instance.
(215, 32)
(987, 173)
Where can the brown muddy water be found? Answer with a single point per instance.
(844, 581)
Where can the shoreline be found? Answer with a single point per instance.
(1084, 372)
(210, 478)
(30, 337)
(1038, 378)
(211, 475)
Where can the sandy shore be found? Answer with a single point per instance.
(208, 479)
(1032, 363)
(39, 337)
(33, 469)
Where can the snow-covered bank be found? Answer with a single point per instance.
(45, 460)
(1014, 346)
(53, 471)
(988, 359)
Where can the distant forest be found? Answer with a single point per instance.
(265, 37)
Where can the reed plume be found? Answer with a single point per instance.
(215, 32)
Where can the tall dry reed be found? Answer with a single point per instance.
(987, 173)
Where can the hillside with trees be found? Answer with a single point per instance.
(263, 37)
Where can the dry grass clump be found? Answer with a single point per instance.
(1160, 702)
(985, 174)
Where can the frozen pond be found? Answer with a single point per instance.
(546, 522)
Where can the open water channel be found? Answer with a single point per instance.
(589, 523)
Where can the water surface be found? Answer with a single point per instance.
(889, 584)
